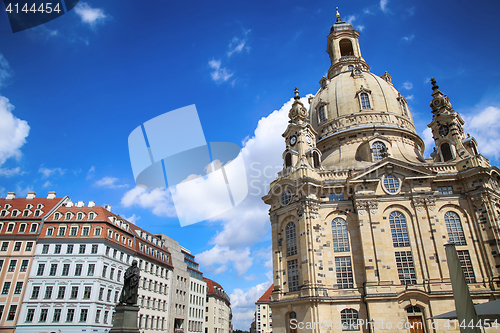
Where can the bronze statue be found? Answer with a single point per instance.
(130, 285)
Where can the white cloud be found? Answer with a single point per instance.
(133, 219)
(408, 39)
(47, 172)
(5, 72)
(219, 74)
(383, 5)
(11, 172)
(221, 256)
(360, 28)
(350, 19)
(484, 126)
(428, 141)
(238, 44)
(243, 304)
(90, 173)
(408, 85)
(159, 201)
(109, 182)
(410, 97)
(47, 184)
(411, 11)
(88, 14)
(13, 131)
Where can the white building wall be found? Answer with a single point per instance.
(196, 313)
(263, 320)
(99, 310)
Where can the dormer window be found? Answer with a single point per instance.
(14, 213)
(91, 216)
(365, 101)
(39, 206)
(10, 227)
(34, 227)
(3, 213)
(37, 212)
(57, 216)
(26, 213)
(378, 150)
(68, 216)
(22, 227)
(322, 113)
(79, 216)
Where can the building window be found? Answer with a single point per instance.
(6, 288)
(29, 246)
(365, 100)
(69, 249)
(291, 239)
(340, 235)
(12, 265)
(68, 216)
(108, 297)
(454, 228)
(107, 250)
(349, 319)
(65, 270)
(91, 270)
(22, 227)
(286, 197)
(406, 269)
(73, 231)
(293, 275)
(48, 292)
(104, 269)
(79, 216)
(17, 246)
(399, 230)
(466, 264)
(57, 216)
(91, 216)
(445, 189)
(70, 315)
(5, 246)
(40, 270)
(101, 293)
(97, 315)
(12, 312)
(322, 114)
(335, 196)
(343, 268)
(82, 249)
(57, 316)
(378, 150)
(24, 266)
(78, 269)
(10, 227)
(57, 249)
(97, 232)
(37, 212)
(446, 152)
(43, 315)
(61, 292)
(74, 292)
(19, 288)
(62, 231)
(53, 269)
(45, 249)
(29, 315)
(111, 273)
(391, 184)
(86, 292)
(413, 310)
(105, 319)
(35, 292)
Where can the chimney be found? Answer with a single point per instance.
(80, 204)
(91, 204)
(30, 196)
(69, 204)
(107, 207)
(51, 195)
(10, 195)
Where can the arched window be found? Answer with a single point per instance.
(454, 228)
(316, 160)
(345, 48)
(340, 235)
(291, 239)
(292, 316)
(321, 114)
(288, 160)
(68, 216)
(446, 152)
(365, 101)
(398, 229)
(413, 309)
(391, 184)
(378, 150)
(349, 319)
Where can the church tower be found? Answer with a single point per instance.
(359, 217)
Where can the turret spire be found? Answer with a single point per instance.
(338, 15)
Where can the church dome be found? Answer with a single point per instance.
(356, 97)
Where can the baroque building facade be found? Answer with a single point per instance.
(359, 217)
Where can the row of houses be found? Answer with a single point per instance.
(62, 265)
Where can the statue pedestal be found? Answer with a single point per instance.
(125, 319)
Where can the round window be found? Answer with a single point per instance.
(286, 197)
(391, 184)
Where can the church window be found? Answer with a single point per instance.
(336, 196)
(365, 101)
(293, 275)
(316, 160)
(378, 150)
(340, 235)
(291, 239)
(321, 114)
(349, 318)
(345, 48)
(454, 228)
(446, 152)
(466, 264)
(288, 160)
(445, 189)
(406, 268)
(286, 197)
(391, 184)
(413, 309)
(343, 268)
(399, 230)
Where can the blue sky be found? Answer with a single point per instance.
(73, 89)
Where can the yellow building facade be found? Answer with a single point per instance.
(360, 218)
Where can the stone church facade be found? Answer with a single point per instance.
(360, 218)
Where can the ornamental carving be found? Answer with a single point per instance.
(362, 206)
(420, 203)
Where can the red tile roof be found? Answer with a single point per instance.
(21, 203)
(211, 285)
(266, 297)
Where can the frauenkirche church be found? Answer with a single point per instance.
(360, 218)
